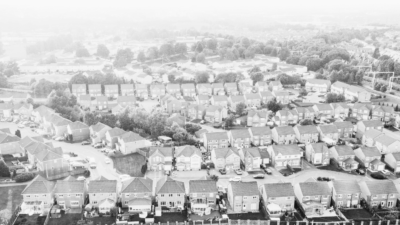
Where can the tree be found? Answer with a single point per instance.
(314, 64)
(18, 133)
(91, 118)
(249, 53)
(293, 60)
(123, 58)
(3, 82)
(171, 78)
(229, 121)
(192, 128)
(376, 54)
(103, 51)
(383, 88)
(77, 79)
(212, 44)
(245, 42)
(273, 105)
(180, 48)
(109, 120)
(157, 123)
(201, 77)
(333, 97)
(141, 57)
(274, 52)
(199, 47)
(144, 168)
(166, 49)
(4, 170)
(152, 53)
(201, 58)
(82, 52)
(256, 77)
(306, 122)
(240, 108)
(303, 92)
(283, 54)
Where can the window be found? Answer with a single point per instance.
(28, 196)
(94, 202)
(179, 195)
(339, 196)
(126, 202)
(127, 195)
(78, 195)
(60, 196)
(162, 195)
(349, 196)
(44, 195)
(244, 197)
(170, 195)
(289, 198)
(162, 203)
(271, 199)
(178, 202)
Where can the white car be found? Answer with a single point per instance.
(59, 139)
(386, 172)
(21, 126)
(107, 161)
(124, 177)
(235, 179)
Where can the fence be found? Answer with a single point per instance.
(48, 216)
(14, 216)
(272, 222)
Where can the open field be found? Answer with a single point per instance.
(10, 198)
(130, 164)
(26, 78)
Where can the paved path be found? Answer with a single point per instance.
(13, 184)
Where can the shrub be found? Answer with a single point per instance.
(378, 176)
(23, 177)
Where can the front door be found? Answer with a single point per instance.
(383, 203)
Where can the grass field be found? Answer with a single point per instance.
(10, 198)
(130, 164)
(66, 219)
(24, 219)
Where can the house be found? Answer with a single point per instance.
(218, 89)
(78, 131)
(324, 111)
(261, 86)
(365, 125)
(245, 87)
(24, 110)
(70, 194)
(204, 89)
(37, 196)
(231, 89)
(283, 135)
(340, 110)
(253, 100)
(226, 158)
(368, 139)
(282, 97)
(285, 155)
(345, 129)
(9, 144)
(215, 114)
(98, 132)
(215, 140)
(393, 161)
(85, 101)
(130, 142)
(314, 197)
(188, 89)
(196, 111)
(33, 149)
(127, 90)
(95, 90)
(387, 144)
(260, 136)
(234, 100)
(383, 113)
(111, 90)
(345, 156)
(203, 100)
(136, 194)
(287, 117)
(103, 194)
(219, 100)
(187, 157)
(251, 158)
(370, 158)
(170, 193)
(160, 158)
(175, 106)
(202, 195)
(306, 134)
(328, 134)
(101, 103)
(266, 96)
(275, 86)
(157, 90)
(39, 113)
(257, 118)
(243, 196)
(346, 193)
(142, 91)
(112, 136)
(317, 153)
(78, 90)
(381, 193)
(351, 92)
(361, 111)
(239, 138)
(174, 89)
(126, 101)
(305, 113)
(318, 85)
(278, 194)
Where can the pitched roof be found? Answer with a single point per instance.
(314, 188)
(102, 186)
(275, 83)
(137, 185)
(254, 152)
(370, 151)
(219, 98)
(396, 156)
(225, 152)
(385, 140)
(252, 96)
(266, 94)
(173, 86)
(343, 150)
(166, 151)
(381, 187)
(237, 98)
(99, 126)
(323, 107)
(284, 130)
(362, 106)
(5, 130)
(187, 151)
(346, 186)
(372, 133)
(116, 132)
(257, 131)
(329, 128)
(320, 147)
(276, 190)
(8, 138)
(69, 187)
(202, 186)
(187, 86)
(231, 85)
(340, 105)
(131, 137)
(286, 149)
(343, 124)
(111, 86)
(168, 185)
(372, 123)
(319, 82)
(48, 154)
(307, 129)
(39, 185)
(240, 133)
(240, 188)
(77, 125)
(259, 113)
(126, 86)
(217, 136)
(203, 85)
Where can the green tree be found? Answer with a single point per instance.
(376, 54)
(314, 64)
(82, 52)
(103, 51)
(283, 54)
(212, 44)
(171, 78)
(157, 123)
(201, 77)
(123, 58)
(240, 108)
(256, 77)
(152, 53)
(303, 92)
(180, 48)
(91, 118)
(201, 58)
(293, 60)
(306, 122)
(3, 81)
(141, 57)
(4, 170)
(245, 42)
(199, 47)
(274, 67)
(229, 121)
(77, 79)
(273, 105)
(109, 120)
(166, 49)
(383, 88)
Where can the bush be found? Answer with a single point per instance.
(378, 176)
(23, 177)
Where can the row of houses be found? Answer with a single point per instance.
(17, 111)
(137, 195)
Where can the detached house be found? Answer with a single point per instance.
(196, 111)
(345, 156)
(346, 193)
(215, 114)
(362, 111)
(340, 110)
(98, 132)
(70, 194)
(160, 158)
(251, 158)
(130, 142)
(170, 193)
(345, 129)
(219, 100)
(239, 138)
(278, 194)
(9, 144)
(126, 101)
(204, 89)
(136, 194)
(216, 140)
(282, 97)
(142, 91)
(370, 158)
(393, 161)
(78, 131)
(283, 135)
(246, 87)
(314, 197)
(381, 193)
(243, 196)
(383, 113)
(231, 89)
(127, 90)
(284, 155)
(203, 100)
(364, 126)
(157, 90)
(234, 100)
(287, 117)
(317, 153)
(188, 90)
(111, 90)
(266, 96)
(323, 111)
(253, 100)
(261, 86)
(78, 90)
(174, 89)
(188, 157)
(103, 194)
(318, 85)
(257, 118)
(275, 86)
(305, 113)
(101, 102)
(387, 144)
(112, 136)
(202, 195)
(95, 90)
(218, 89)
(226, 158)
(328, 134)
(368, 139)
(260, 136)
(306, 134)
(85, 101)
(37, 196)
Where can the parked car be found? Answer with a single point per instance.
(21, 126)
(98, 145)
(85, 143)
(360, 171)
(259, 176)
(59, 138)
(386, 172)
(268, 171)
(237, 178)
(239, 172)
(222, 171)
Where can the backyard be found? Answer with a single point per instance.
(10, 198)
(24, 219)
(130, 164)
(65, 219)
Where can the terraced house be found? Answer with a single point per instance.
(226, 158)
(284, 155)
(306, 134)
(136, 194)
(216, 140)
(127, 90)
(142, 91)
(78, 90)
(174, 89)
(95, 90)
(239, 138)
(218, 89)
(188, 90)
(219, 100)
(103, 194)
(381, 193)
(231, 89)
(202, 195)
(346, 193)
(318, 85)
(253, 100)
(283, 135)
(305, 113)
(111, 90)
(260, 136)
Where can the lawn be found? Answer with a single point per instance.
(65, 219)
(247, 216)
(24, 219)
(130, 164)
(357, 214)
(171, 217)
(104, 220)
(10, 198)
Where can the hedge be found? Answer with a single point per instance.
(23, 177)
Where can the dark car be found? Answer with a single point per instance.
(259, 176)
(222, 171)
(268, 171)
(360, 171)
